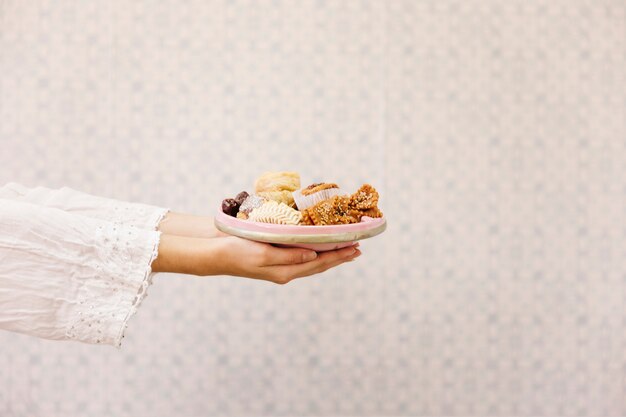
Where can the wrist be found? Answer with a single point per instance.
(185, 255)
(214, 257)
(180, 224)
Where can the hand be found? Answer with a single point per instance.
(246, 258)
(235, 256)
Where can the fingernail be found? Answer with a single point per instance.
(309, 256)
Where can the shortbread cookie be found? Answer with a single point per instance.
(276, 213)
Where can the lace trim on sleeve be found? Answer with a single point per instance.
(117, 284)
(142, 292)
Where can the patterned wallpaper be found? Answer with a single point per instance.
(494, 130)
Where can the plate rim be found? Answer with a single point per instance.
(268, 237)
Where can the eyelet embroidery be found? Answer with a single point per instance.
(117, 254)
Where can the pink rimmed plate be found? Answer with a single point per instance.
(317, 238)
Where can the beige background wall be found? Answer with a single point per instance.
(495, 131)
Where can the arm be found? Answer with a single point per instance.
(197, 255)
(188, 246)
(65, 276)
(189, 225)
(69, 276)
(240, 257)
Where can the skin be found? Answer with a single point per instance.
(192, 245)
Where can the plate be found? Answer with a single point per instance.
(317, 238)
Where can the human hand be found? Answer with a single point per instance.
(246, 258)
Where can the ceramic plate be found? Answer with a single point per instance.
(318, 238)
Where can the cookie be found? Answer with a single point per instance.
(279, 196)
(277, 181)
(276, 213)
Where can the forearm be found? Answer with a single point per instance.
(188, 225)
(244, 258)
(188, 255)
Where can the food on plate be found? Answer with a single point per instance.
(277, 181)
(279, 200)
(241, 197)
(283, 196)
(250, 203)
(276, 213)
(344, 209)
(314, 193)
(230, 207)
(365, 198)
(278, 186)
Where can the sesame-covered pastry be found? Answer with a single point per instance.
(344, 209)
(365, 198)
(335, 210)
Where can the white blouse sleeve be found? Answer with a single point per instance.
(67, 276)
(143, 216)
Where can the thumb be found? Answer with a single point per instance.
(289, 256)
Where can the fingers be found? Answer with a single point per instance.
(329, 265)
(324, 261)
(287, 256)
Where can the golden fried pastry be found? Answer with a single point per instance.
(276, 213)
(365, 198)
(334, 210)
(277, 181)
(373, 212)
(344, 209)
(306, 219)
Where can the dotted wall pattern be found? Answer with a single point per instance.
(495, 131)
